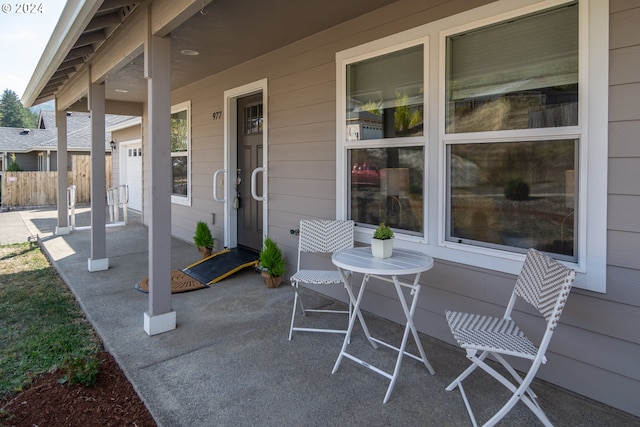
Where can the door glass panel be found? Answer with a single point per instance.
(253, 119)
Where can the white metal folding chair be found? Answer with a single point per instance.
(545, 284)
(320, 237)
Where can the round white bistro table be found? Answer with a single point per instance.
(403, 262)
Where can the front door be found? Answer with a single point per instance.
(250, 146)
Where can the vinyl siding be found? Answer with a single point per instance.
(598, 341)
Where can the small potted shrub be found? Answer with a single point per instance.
(271, 263)
(203, 239)
(382, 242)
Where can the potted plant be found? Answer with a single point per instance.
(203, 239)
(382, 242)
(271, 263)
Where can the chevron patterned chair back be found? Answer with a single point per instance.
(545, 284)
(319, 236)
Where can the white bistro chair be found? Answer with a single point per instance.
(545, 284)
(320, 237)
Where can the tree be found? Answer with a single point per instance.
(13, 114)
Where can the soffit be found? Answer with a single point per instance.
(105, 21)
(225, 33)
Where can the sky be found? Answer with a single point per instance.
(23, 37)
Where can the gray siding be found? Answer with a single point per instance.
(598, 341)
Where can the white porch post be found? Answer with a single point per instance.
(160, 317)
(63, 216)
(98, 260)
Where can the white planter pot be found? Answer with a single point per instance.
(381, 248)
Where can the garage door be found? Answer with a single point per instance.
(132, 174)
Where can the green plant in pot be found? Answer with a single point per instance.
(203, 239)
(382, 242)
(271, 263)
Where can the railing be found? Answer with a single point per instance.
(118, 197)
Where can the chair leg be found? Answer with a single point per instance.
(467, 371)
(519, 393)
(293, 313)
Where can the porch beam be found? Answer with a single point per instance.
(98, 260)
(167, 15)
(74, 89)
(121, 48)
(63, 227)
(160, 317)
(124, 108)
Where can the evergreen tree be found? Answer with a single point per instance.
(13, 114)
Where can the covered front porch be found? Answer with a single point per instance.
(229, 361)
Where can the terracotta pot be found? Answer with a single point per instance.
(271, 282)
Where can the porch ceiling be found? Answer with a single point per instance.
(224, 32)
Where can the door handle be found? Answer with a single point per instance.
(254, 174)
(215, 180)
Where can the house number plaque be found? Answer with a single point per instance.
(217, 115)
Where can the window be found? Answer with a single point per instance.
(505, 192)
(487, 145)
(384, 137)
(514, 195)
(180, 153)
(253, 119)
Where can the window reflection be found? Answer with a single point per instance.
(387, 186)
(179, 175)
(520, 194)
(521, 74)
(385, 96)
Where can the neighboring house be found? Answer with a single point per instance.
(33, 148)
(37, 149)
(494, 125)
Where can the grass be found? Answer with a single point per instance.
(41, 325)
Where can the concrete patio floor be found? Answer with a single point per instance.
(229, 362)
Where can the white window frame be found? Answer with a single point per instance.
(183, 200)
(592, 132)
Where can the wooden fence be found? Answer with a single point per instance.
(23, 189)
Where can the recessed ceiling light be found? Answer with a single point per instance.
(122, 90)
(189, 52)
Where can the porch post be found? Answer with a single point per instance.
(98, 260)
(160, 317)
(63, 216)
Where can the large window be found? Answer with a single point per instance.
(516, 75)
(384, 134)
(180, 153)
(480, 135)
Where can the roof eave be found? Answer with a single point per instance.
(73, 20)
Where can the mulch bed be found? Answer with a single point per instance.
(112, 401)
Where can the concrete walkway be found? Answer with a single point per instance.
(229, 362)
